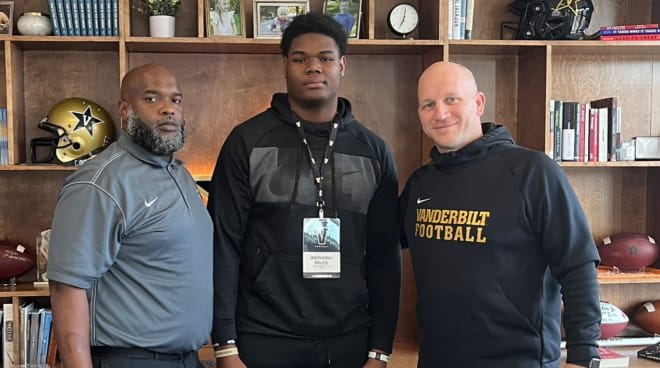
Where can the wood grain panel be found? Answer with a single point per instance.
(615, 12)
(629, 77)
(3, 77)
(614, 199)
(655, 92)
(23, 6)
(652, 216)
(15, 105)
(497, 78)
(91, 75)
(429, 20)
(224, 90)
(27, 206)
(532, 97)
(220, 91)
(488, 17)
(407, 329)
(383, 92)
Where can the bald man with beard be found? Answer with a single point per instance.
(497, 239)
(131, 243)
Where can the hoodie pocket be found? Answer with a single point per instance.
(309, 306)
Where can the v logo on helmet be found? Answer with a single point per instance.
(86, 120)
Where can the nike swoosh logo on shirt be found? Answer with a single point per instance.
(419, 201)
(148, 204)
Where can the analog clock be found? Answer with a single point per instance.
(402, 19)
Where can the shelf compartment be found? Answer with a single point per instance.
(66, 43)
(22, 290)
(650, 275)
(610, 164)
(270, 46)
(37, 167)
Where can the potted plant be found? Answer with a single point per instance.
(161, 16)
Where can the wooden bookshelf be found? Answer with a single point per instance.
(227, 80)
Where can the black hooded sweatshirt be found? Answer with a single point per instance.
(497, 237)
(261, 190)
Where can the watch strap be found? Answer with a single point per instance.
(379, 356)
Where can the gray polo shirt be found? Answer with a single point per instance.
(131, 229)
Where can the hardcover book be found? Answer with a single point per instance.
(611, 359)
(613, 126)
(651, 352)
(630, 26)
(631, 37)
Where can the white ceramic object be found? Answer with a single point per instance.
(34, 24)
(161, 26)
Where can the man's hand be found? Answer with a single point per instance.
(568, 365)
(232, 361)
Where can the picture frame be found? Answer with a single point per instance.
(226, 18)
(6, 17)
(348, 13)
(267, 22)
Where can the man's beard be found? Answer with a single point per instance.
(149, 138)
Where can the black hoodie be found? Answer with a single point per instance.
(495, 231)
(262, 188)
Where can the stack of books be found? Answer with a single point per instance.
(630, 32)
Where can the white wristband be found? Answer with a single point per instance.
(379, 356)
(226, 352)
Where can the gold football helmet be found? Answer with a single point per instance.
(79, 127)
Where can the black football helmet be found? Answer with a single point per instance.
(552, 19)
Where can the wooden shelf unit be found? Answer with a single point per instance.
(227, 80)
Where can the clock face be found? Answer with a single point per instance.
(402, 19)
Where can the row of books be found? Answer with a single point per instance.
(585, 132)
(84, 17)
(36, 344)
(461, 15)
(631, 32)
(4, 143)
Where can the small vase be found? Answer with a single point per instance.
(34, 24)
(161, 26)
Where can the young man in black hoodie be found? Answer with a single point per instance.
(497, 239)
(303, 198)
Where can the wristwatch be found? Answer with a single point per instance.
(594, 363)
(379, 356)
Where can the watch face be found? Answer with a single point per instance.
(402, 19)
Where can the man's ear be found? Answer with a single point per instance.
(342, 65)
(123, 109)
(480, 100)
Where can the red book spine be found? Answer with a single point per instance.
(629, 26)
(617, 32)
(636, 37)
(583, 122)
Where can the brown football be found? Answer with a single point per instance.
(647, 316)
(628, 251)
(15, 260)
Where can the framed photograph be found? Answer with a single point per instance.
(225, 18)
(6, 17)
(347, 13)
(272, 17)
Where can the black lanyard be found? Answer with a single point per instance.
(318, 170)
